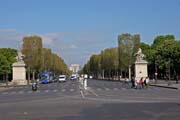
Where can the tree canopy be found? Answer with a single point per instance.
(7, 58)
(165, 52)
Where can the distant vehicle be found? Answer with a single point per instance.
(90, 77)
(55, 79)
(74, 77)
(46, 77)
(34, 86)
(62, 78)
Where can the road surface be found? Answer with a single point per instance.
(104, 100)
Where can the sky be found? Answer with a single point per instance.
(76, 29)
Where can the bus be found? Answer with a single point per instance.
(46, 77)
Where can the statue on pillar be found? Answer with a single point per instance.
(19, 57)
(139, 55)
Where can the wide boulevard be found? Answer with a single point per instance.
(103, 100)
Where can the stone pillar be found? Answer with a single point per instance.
(19, 73)
(140, 66)
(141, 70)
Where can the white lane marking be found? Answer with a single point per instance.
(29, 92)
(94, 93)
(82, 94)
(4, 93)
(63, 90)
(38, 91)
(71, 90)
(107, 89)
(123, 88)
(46, 91)
(21, 92)
(115, 89)
(54, 90)
(99, 89)
(12, 92)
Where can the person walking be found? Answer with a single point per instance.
(132, 82)
(146, 82)
(140, 83)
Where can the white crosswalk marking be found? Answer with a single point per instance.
(38, 91)
(99, 89)
(4, 93)
(71, 90)
(107, 89)
(29, 92)
(21, 92)
(115, 89)
(63, 90)
(12, 92)
(123, 89)
(54, 90)
(46, 91)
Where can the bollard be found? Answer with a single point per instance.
(85, 84)
(85, 81)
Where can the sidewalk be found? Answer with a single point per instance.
(165, 84)
(4, 88)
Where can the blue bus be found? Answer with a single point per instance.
(46, 77)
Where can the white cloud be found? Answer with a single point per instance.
(50, 38)
(10, 38)
(68, 45)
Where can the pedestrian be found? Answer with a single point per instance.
(132, 82)
(146, 82)
(176, 77)
(140, 83)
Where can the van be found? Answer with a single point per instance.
(62, 78)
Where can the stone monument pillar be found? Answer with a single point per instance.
(19, 71)
(140, 65)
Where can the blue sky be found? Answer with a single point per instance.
(76, 29)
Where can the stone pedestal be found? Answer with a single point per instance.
(141, 69)
(19, 73)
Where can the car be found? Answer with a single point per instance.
(73, 78)
(62, 78)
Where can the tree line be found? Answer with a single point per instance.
(163, 57)
(39, 59)
(36, 58)
(7, 58)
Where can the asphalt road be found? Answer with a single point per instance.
(104, 100)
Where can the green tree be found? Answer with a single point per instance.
(127, 46)
(32, 49)
(7, 56)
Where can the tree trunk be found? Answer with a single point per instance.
(129, 72)
(28, 77)
(6, 80)
(33, 75)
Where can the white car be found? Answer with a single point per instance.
(62, 78)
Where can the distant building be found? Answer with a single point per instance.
(74, 68)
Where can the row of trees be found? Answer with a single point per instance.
(163, 56)
(36, 58)
(40, 59)
(7, 58)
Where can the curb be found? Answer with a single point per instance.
(164, 86)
